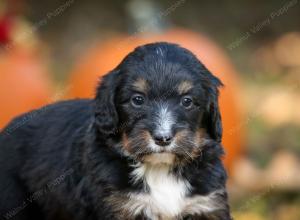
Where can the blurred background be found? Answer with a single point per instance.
(56, 50)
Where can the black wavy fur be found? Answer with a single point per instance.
(61, 161)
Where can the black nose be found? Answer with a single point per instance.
(162, 140)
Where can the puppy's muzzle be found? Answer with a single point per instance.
(164, 123)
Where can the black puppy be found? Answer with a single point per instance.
(147, 147)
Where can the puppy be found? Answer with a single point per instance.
(148, 146)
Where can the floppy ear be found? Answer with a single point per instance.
(212, 116)
(214, 123)
(106, 116)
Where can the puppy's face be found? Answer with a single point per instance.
(162, 104)
(161, 108)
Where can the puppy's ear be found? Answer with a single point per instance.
(212, 117)
(106, 116)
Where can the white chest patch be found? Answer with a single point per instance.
(168, 195)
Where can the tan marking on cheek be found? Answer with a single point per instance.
(143, 138)
(200, 139)
(125, 142)
(184, 87)
(141, 85)
(146, 136)
(179, 136)
(200, 136)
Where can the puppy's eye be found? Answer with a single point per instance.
(187, 102)
(137, 100)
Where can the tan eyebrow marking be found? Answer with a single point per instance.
(140, 85)
(184, 87)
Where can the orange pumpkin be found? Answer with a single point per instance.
(104, 57)
(24, 85)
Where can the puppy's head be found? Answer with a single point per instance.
(161, 102)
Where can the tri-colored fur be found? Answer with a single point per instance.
(148, 146)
